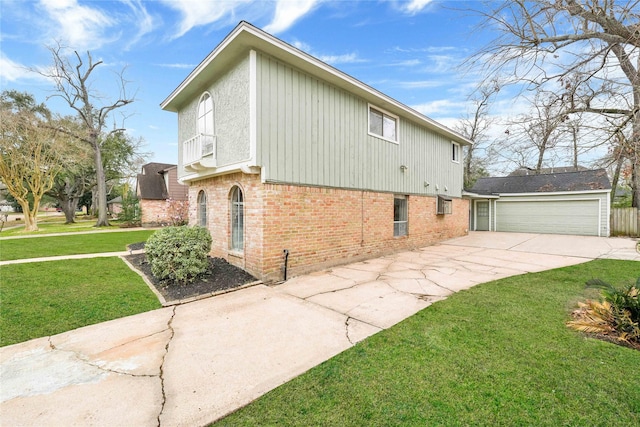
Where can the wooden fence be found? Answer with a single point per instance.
(625, 222)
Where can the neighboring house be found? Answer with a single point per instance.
(156, 187)
(114, 206)
(555, 203)
(292, 164)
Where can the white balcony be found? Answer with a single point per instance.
(199, 152)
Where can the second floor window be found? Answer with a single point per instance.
(205, 115)
(383, 124)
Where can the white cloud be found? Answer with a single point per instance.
(346, 58)
(178, 65)
(199, 13)
(416, 6)
(440, 107)
(80, 27)
(288, 12)
(10, 71)
(141, 19)
(422, 84)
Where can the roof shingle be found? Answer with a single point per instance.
(544, 183)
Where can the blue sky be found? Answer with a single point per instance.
(409, 50)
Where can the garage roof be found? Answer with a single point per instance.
(587, 180)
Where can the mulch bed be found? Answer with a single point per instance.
(221, 276)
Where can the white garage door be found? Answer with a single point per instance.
(555, 217)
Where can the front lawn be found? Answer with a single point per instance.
(47, 298)
(498, 354)
(70, 244)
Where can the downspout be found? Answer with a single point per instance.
(286, 261)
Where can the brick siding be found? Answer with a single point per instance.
(320, 227)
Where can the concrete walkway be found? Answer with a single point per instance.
(191, 364)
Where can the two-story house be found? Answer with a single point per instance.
(293, 164)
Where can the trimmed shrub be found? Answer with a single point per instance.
(178, 254)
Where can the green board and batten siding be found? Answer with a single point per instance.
(312, 133)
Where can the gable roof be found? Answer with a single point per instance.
(587, 180)
(245, 37)
(151, 181)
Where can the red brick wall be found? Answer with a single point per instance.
(218, 191)
(154, 212)
(320, 227)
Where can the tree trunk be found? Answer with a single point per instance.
(69, 206)
(30, 222)
(635, 184)
(103, 219)
(616, 178)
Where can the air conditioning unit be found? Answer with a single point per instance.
(444, 205)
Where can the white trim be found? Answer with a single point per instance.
(245, 166)
(565, 199)
(458, 151)
(554, 193)
(608, 229)
(253, 107)
(385, 112)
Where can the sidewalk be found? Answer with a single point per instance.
(194, 363)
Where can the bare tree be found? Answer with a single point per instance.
(540, 43)
(73, 84)
(539, 131)
(31, 152)
(475, 126)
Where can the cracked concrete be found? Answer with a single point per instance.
(193, 363)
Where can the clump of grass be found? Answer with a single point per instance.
(615, 318)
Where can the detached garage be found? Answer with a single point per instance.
(553, 203)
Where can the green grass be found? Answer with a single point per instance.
(70, 244)
(56, 224)
(42, 299)
(498, 354)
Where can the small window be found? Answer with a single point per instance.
(400, 216)
(237, 219)
(202, 209)
(444, 205)
(455, 154)
(383, 124)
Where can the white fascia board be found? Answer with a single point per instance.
(246, 37)
(554, 193)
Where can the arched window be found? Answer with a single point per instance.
(237, 219)
(202, 209)
(206, 123)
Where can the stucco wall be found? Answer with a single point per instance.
(230, 94)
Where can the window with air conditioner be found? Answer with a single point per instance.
(444, 205)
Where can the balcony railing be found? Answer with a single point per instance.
(199, 152)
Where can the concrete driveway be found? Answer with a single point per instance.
(194, 363)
